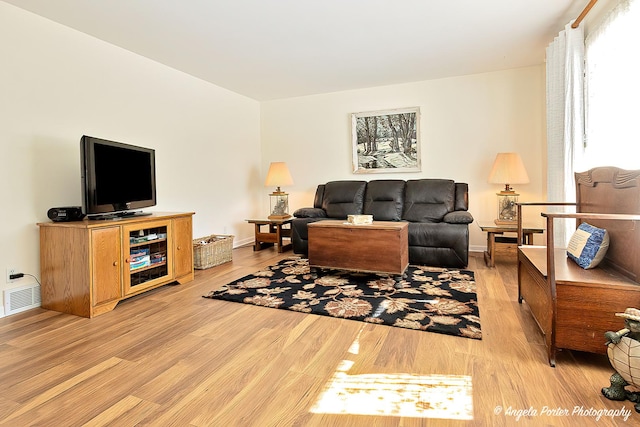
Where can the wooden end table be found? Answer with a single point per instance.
(273, 235)
(381, 247)
(492, 230)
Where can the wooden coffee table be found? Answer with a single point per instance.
(380, 247)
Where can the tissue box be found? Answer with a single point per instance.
(360, 219)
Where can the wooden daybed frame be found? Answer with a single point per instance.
(574, 307)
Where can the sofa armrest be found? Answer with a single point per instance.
(458, 217)
(310, 213)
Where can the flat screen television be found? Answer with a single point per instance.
(117, 178)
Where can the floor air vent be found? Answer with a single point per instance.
(21, 299)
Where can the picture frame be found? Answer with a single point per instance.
(386, 141)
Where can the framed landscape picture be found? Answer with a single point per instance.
(386, 141)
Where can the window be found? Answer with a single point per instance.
(613, 91)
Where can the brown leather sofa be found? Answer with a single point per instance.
(436, 210)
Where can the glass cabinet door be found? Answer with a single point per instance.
(148, 257)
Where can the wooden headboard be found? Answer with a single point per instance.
(612, 190)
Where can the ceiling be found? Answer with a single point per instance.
(272, 49)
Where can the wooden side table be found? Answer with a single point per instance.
(273, 235)
(492, 230)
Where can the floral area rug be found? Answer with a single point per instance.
(428, 299)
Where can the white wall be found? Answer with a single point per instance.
(465, 121)
(57, 84)
(213, 146)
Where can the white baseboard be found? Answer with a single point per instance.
(243, 242)
(476, 248)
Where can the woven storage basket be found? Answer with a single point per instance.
(212, 250)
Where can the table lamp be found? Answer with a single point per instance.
(508, 169)
(278, 175)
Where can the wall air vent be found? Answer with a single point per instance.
(21, 299)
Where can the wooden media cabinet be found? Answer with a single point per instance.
(88, 266)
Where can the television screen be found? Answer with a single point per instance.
(116, 177)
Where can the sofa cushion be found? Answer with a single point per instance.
(384, 199)
(342, 198)
(428, 200)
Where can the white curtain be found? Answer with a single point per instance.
(565, 119)
(613, 90)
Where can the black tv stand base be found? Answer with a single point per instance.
(115, 216)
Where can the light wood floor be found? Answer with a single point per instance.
(171, 357)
